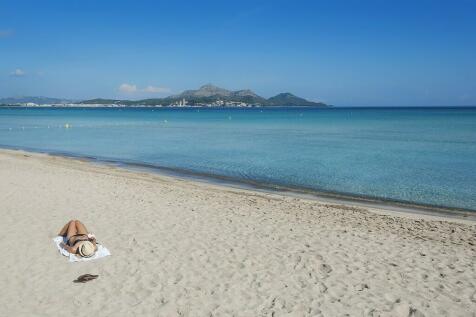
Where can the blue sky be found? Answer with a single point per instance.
(347, 53)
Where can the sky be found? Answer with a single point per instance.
(345, 53)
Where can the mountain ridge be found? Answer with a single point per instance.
(35, 99)
(209, 94)
(206, 95)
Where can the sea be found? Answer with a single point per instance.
(416, 156)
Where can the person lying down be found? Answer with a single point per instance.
(78, 240)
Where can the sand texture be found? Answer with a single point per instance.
(185, 248)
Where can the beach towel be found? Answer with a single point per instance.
(100, 253)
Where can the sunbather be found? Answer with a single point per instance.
(78, 239)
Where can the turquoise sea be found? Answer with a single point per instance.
(417, 155)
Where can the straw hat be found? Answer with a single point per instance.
(86, 249)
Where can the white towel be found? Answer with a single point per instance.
(100, 253)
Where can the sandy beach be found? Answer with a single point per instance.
(186, 248)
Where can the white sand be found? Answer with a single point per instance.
(193, 249)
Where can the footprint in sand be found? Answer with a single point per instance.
(325, 268)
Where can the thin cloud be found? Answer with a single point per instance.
(133, 89)
(128, 88)
(156, 90)
(18, 73)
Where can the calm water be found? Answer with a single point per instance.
(423, 156)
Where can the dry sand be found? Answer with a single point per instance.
(184, 248)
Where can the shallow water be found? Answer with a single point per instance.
(419, 155)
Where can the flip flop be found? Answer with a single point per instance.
(85, 278)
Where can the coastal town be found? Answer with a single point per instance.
(183, 103)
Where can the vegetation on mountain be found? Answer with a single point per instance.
(209, 94)
(205, 95)
(292, 100)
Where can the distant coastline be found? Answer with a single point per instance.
(81, 105)
(207, 96)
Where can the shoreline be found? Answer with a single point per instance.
(188, 248)
(389, 205)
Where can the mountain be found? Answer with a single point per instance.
(289, 99)
(37, 100)
(209, 90)
(212, 95)
(205, 91)
(209, 93)
(102, 101)
(206, 95)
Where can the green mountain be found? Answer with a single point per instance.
(101, 101)
(289, 99)
(216, 96)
